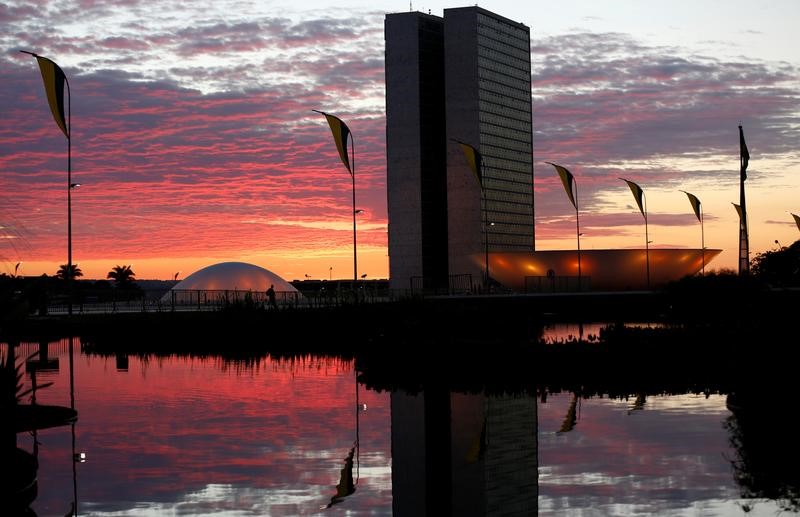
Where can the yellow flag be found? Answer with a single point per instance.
(474, 160)
(54, 80)
(638, 194)
(340, 133)
(695, 204)
(567, 179)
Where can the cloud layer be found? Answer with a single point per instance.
(191, 123)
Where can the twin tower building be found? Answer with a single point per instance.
(461, 78)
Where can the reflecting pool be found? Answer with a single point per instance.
(270, 436)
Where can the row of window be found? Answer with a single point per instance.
(503, 25)
(509, 196)
(504, 63)
(509, 178)
(501, 145)
(521, 227)
(491, 125)
(520, 89)
(507, 138)
(514, 126)
(520, 53)
(504, 111)
(509, 167)
(510, 207)
(491, 152)
(504, 242)
(508, 218)
(507, 170)
(501, 185)
(524, 105)
(510, 231)
(505, 91)
(514, 34)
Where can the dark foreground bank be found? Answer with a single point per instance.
(707, 341)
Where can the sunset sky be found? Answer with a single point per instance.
(194, 139)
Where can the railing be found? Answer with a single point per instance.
(422, 286)
(557, 284)
(161, 300)
(212, 300)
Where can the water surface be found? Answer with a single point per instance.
(206, 436)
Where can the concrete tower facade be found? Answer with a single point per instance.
(464, 77)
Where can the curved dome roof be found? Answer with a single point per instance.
(234, 275)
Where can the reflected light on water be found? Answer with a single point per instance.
(207, 436)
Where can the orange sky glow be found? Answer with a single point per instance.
(195, 143)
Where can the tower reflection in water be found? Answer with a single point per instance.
(463, 454)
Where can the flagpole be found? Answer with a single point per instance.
(353, 176)
(51, 75)
(578, 232)
(485, 225)
(69, 198)
(702, 243)
(340, 134)
(744, 240)
(641, 200)
(475, 163)
(646, 241)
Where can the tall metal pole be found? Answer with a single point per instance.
(485, 239)
(69, 199)
(353, 176)
(702, 244)
(485, 225)
(646, 241)
(744, 239)
(578, 233)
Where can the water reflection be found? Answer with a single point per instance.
(463, 454)
(300, 436)
(207, 436)
(21, 413)
(765, 464)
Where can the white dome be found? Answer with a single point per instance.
(234, 275)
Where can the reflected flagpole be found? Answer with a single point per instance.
(54, 82)
(341, 133)
(569, 182)
(641, 200)
(698, 212)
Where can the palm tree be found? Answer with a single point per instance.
(64, 272)
(122, 275)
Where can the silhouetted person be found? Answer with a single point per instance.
(273, 304)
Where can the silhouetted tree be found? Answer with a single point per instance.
(778, 267)
(64, 272)
(122, 275)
